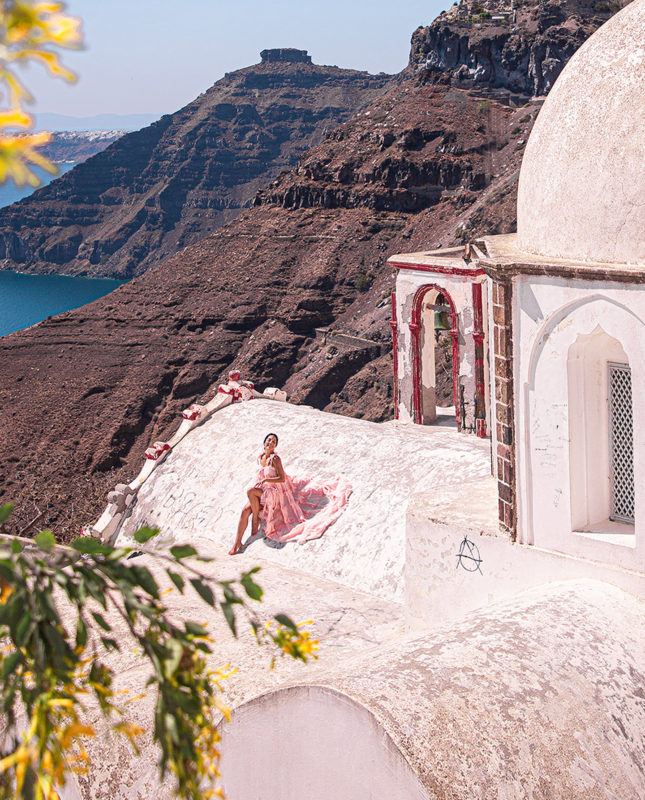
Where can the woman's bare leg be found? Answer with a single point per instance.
(254, 496)
(244, 521)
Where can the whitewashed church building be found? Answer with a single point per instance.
(548, 325)
(480, 602)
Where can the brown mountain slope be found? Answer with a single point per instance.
(83, 394)
(168, 185)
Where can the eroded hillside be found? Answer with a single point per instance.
(168, 185)
(83, 394)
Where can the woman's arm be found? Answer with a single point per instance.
(277, 466)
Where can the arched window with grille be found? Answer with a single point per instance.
(601, 451)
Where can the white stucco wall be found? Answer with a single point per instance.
(549, 317)
(538, 697)
(312, 742)
(440, 587)
(197, 493)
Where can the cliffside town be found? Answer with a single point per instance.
(78, 146)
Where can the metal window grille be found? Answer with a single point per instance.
(621, 447)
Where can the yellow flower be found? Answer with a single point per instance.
(6, 590)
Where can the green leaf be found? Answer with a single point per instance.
(176, 652)
(254, 591)
(145, 580)
(109, 644)
(7, 571)
(81, 632)
(230, 595)
(229, 616)
(55, 641)
(92, 583)
(186, 702)
(170, 725)
(45, 540)
(177, 580)
(87, 545)
(9, 664)
(16, 547)
(195, 628)
(5, 512)
(24, 629)
(100, 619)
(283, 619)
(180, 551)
(203, 590)
(144, 533)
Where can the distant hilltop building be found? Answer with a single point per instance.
(496, 9)
(285, 54)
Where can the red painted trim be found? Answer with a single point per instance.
(395, 354)
(415, 329)
(439, 269)
(478, 337)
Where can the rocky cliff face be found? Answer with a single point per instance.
(520, 47)
(251, 296)
(159, 189)
(293, 293)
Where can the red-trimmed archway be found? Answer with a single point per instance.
(415, 330)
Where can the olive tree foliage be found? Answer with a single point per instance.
(65, 609)
(30, 32)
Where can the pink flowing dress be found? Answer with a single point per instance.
(299, 510)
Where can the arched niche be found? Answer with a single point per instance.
(429, 299)
(549, 516)
(593, 441)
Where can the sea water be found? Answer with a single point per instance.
(27, 299)
(10, 193)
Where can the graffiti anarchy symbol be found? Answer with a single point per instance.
(468, 556)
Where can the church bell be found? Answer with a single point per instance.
(441, 321)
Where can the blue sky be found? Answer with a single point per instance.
(153, 56)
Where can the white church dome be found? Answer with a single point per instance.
(582, 184)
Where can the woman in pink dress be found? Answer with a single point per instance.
(292, 509)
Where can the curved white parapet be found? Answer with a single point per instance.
(314, 742)
(236, 390)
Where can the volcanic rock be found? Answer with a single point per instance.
(503, 45)
(293, 293)
(168, 185)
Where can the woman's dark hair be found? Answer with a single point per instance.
(271, 434)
